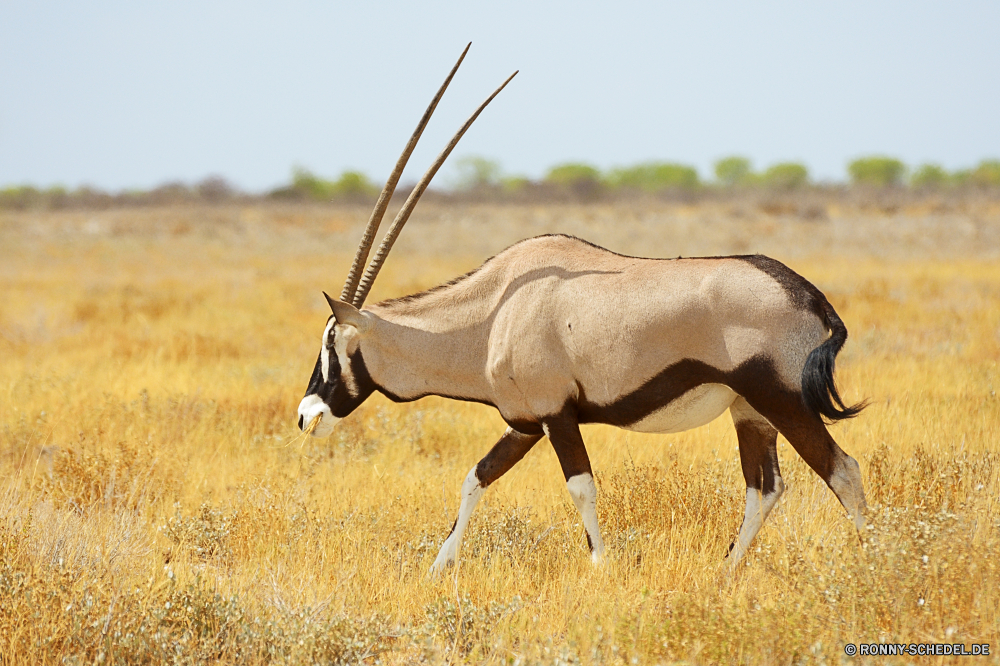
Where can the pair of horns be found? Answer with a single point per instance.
(357, 287)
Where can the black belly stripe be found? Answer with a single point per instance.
(751, 377)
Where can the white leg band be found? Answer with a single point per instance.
(471, 492)
(757, 509)
(584, 493)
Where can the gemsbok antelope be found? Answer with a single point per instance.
(554, 332)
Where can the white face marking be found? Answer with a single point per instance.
(312, 405)
(324, 351)
(472, 490)
(584, 493)
(342, 334)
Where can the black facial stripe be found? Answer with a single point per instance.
(316, 380)
(334, 392)
(326, 391)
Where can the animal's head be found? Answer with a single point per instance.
(340, 381)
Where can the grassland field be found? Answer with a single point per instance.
(158, 506)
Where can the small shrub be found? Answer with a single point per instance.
(929, 176)
(205, 534)
(475, 172)
(515, 184)
(655, 177)
(20, 198)
(464, 625)
(310, 186)
(786, 176)
(573, 174)
(214, 189)
(581, 180)
(876, 170)
(26, 197)
(84, 476)
(987, 174)
(734, 170)
(352, 185)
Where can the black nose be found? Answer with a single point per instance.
(300, 423)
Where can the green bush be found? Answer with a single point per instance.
(20, 197)
(734, 170)
(986, 174)
(26, 197)
(655, 177)
(786, 176)
(876, 170)
(354, 184)
(573, 173)
(514, 184)
(475, 172)
(310, 186)
(929, 175)
(306, 185)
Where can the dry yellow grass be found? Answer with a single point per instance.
(157, 504)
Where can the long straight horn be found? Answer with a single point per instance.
(361, 256)
(411, 202)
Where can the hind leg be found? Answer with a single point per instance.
(808, 435)
(759, 459)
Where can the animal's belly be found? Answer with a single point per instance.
(695, 408)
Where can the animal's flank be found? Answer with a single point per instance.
(819, 391)
(803, 294)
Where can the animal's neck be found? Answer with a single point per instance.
(417, 351)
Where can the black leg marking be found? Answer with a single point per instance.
(759, 460)
(505, 454)
(564, 433)
(808, 435)
(758, 455)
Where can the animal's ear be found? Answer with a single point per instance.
(345, 313)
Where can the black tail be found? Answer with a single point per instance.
(818, 388)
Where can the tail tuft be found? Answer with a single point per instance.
(818, 388)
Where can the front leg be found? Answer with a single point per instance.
(504, 454)
(564, 433)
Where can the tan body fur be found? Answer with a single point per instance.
(552, 316)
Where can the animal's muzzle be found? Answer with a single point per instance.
(311, 406)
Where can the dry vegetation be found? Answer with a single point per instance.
(157, 507)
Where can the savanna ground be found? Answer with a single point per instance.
(157, 505)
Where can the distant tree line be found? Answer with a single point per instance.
(575, 180)
(737, 172)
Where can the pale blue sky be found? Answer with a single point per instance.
(126, 94)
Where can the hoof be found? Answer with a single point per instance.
(444, 561)
(438, 568)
